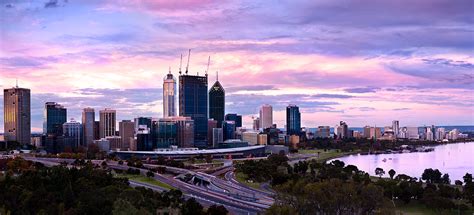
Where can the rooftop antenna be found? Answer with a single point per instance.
(217, 75)
(180, 63)
(187, 66)
(208, 62)
(17, 83)
(169, 69)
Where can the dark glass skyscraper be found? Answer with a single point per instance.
(234, 117)
(55, 116)
(193, 103)
(293, 120)
(217, 103)
(143, 133)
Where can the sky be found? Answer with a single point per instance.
(364, 62)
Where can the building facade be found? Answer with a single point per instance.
(72, 132)
(266, 116)
(55, 116)
(228, 127)
(17, 115)
(293, 120)
(88, 119)
(193, 103)
(234, 117)
(107, 123)
(217, 103)
(169, 95)
(126, 132)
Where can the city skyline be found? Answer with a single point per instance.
(371, 71)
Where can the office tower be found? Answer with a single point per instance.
(169, 95)
(115, 143)
(96, 130)
(185, 131)
(323, 132)
(217, 137)
(429, 134)
(143, 133)
(193, 103)
(266, 116)
(342, 130)
(293, 120)
(440, 133)
(164, 133)
(228, 127)
(211, 124)
(453, 134)
(103, 144)
(88, 119)
(251, 137)
(55, 116)
(234, 117)
(256, 123)
(126, 132)
(107, 123)
(72, 132)
(412, 133)
(217, 103)
(396, 128)
(17, 115)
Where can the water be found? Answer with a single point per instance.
(454, 159)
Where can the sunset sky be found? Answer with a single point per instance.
(364, 62)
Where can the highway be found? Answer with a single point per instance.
(237, 198)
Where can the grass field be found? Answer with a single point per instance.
(144, 179)
(241, 177)
(321, 155)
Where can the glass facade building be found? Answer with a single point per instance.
(228, 128)
(293, 120)
(17, 115)
(55, 115)
(169, 96)
(193, 103)
(88, 119)
(234, 117)
(164, 133)
(143, 133)
(217, 103)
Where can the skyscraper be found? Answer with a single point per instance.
(164, 133)
(266, 116)
(293, 120)
(55, 116)
(396, 128)
(88, 119)
(17, 115)
(169, 95)
(217, 103)
(234, 117)
(143, 133)
(107, 123)
(228, 128)
(126, 131)
(193, 103)
(72, 132)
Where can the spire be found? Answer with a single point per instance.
(217, 75)
(17, 83)
(169, 70)
(180, 63)
(208, 62)
(187, 66)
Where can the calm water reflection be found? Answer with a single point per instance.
(454, 159)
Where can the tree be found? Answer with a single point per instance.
(467, 178)
(217, 210)
(431, 175)
(391, 173)
(458, 182)
(120, 162)
(379, 171)
(150, 174)
(191, 207)
(445, 179)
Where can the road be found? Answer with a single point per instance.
(236, 198)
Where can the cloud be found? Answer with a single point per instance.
(233, 89)
(337, 96)
(362, 90)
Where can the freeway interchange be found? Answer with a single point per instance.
(236, 197)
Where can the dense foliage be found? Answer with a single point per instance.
(334, 188)
(31, 188)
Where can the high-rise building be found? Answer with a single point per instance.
(293, 120)
(143, 133)
(211, 124)
(169, 95)
(55, 116)
(266, 116)
(323, 132)
(88, 119)
(217, 137)
(164, 133)
(396, 128)
(256, 123)
(440, 134)
(72, 132)
(107, 123)
(17, 115)
(193, 103)
(342, 130)
(234, 117)
(217, 103)
(228, 128)
(96, 130)
(127, 132)
(115, 143)
(185, 131)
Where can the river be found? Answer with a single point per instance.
(455, 159)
